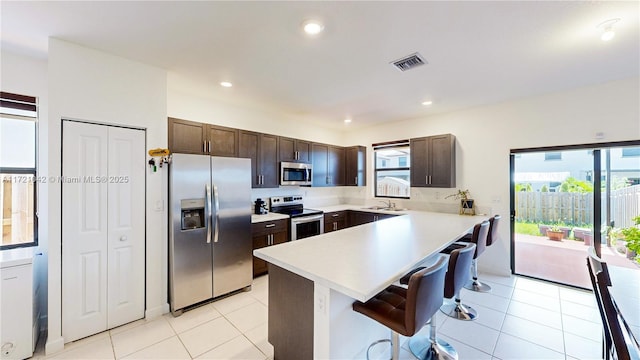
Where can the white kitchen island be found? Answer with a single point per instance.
(314, 281)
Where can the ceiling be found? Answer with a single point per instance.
(477, 52)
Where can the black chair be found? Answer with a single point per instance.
(406, 311)
(618, 340)
(492, 237)
(458, 275)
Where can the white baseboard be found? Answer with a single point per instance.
(156, 311)
(53, 345)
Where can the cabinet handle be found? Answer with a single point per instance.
(270, 225)
(204, 146)
(355, 180)
(270, 239)
(426, 180)
(209, 146)
(335, 226)
(11, 278)
(429, 179)
(335, 215)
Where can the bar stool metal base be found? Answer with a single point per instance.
(476, 285)
(423, 348)
(459, 311)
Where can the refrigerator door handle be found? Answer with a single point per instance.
(207, 221)
(217, 209)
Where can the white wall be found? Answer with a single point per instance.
(486, 134)
(28, 76)
(93, 86)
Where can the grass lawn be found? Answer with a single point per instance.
(527, 229)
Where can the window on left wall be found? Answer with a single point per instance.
(18, 189)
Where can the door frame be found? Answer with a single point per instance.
(597, 192)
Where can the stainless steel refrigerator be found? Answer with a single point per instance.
(210, 228)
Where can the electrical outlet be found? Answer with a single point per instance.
(322, 304)
(495, 199)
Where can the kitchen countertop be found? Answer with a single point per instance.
(267, 217)
(363, 260)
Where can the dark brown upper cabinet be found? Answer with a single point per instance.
(262, 149)
(433, 161)
(190, 137)
(356, 166)
(328, 165)
(294, 150)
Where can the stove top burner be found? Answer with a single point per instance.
(292, 206)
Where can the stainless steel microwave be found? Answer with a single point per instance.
(295, 173)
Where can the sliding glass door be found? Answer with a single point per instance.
(567, 199)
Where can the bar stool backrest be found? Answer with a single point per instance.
(425, 294)
(458, 270)
(479, 237)
(493, 230)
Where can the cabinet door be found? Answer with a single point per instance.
(248, 148)
(304, 151)
(287, 149)
(419, 162)
(355, 166)
(442, 160)
(336, 166)
(186, 137)
(356, 218)
(222, 141)
(259, 265)
(280, 237)
(268, 161)
(319, 159)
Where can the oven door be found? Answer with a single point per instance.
(306, 226)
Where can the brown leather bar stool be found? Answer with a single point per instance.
(492, 236)
(457, 275)
(405, 311)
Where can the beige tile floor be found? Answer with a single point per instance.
(520, 319)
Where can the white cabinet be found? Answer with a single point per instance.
(16, 306)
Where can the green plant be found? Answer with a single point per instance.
(460, 195)
(523, 187)
(544, 188)
(527, 228)
(574, 185)
(632, 236)
(636, 220)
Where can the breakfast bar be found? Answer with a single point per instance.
(314, 281)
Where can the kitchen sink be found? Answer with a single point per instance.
(385, 208)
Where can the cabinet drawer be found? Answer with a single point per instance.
(330, 217)
(268, 227)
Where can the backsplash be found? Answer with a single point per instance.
(421, 199)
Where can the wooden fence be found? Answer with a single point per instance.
(576, 208)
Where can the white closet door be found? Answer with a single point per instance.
(84, 230)
(126, 244)
(103, 228)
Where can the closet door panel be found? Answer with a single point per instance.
(84, 230)
(126, 234)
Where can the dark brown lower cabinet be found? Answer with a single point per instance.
(356, 218)
(266, 234)
(334, 221)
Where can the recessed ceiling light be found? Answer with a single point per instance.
(607, 29)
(226, 84)
(347, 121)
(312, 27)
(427, 103)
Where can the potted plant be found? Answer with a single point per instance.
(466, 203)
(555, 233)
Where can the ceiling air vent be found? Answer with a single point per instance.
(409, 62)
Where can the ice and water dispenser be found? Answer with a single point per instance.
(192, 214)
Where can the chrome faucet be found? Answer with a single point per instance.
(388, 203)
